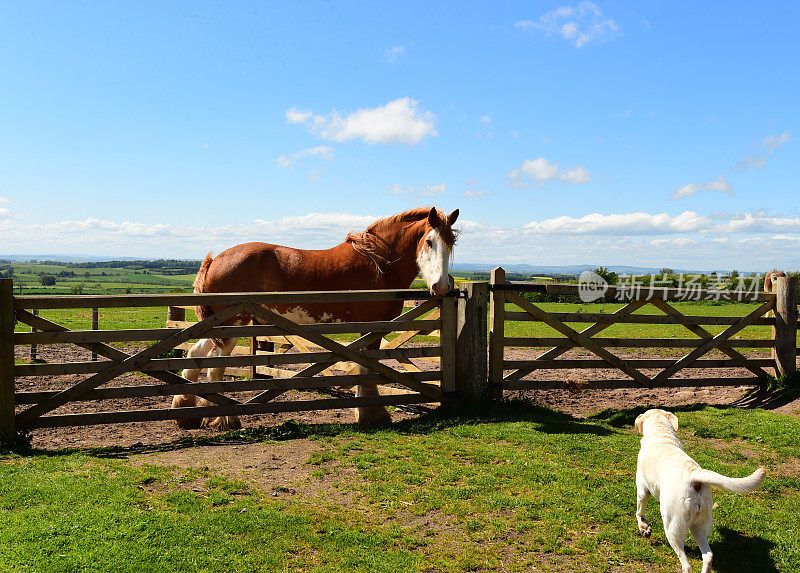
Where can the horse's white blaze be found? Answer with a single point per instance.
(434, 263)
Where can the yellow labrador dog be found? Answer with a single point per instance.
(682, 487)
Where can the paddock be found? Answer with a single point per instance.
(132, 381)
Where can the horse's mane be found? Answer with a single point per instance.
(371, 244)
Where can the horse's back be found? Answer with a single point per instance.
(265, 267)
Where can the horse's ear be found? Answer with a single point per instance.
(433, 218)
(452, 218)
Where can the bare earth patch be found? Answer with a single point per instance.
(577, 403)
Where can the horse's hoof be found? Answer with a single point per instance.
(226, 423)
(373, 417)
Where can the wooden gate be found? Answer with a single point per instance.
(89, 380)
(513, 373)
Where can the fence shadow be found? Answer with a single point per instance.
(767, 399)
(545, 419)
(622, 418)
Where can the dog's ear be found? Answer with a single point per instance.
(638, 423)
(673, 419)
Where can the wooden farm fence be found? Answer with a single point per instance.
(176, 318)
(465, 315)
(506, 372)
(36, 409)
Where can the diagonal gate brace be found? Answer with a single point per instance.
(132, 362)
(590, 331)
(703, 333)
(356, 345)
(712, 343)
(112, 353)
(580, 339)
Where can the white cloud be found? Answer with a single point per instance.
(391, 54)
(747, 241)
(290, 161)
(773, 142)
(620, 224)
(578, 25)
(4, 213)
(294, 115)
(769, 144)
(5, 200)
(420, 190)
(399, 121)
(540, 171)
(485, 119)
(720, 184)
(760, 223)
(474, 193)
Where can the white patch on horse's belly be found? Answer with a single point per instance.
(299, 315)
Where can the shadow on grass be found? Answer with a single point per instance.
(622, 418)
(772, 393)
(447, 416)
(740, 553)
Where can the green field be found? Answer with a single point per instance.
(81, 278)
(519, 489)
(114, 318)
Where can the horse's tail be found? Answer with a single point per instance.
(204, 311)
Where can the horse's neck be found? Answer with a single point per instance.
(402, 268)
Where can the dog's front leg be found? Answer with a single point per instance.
(642, 497)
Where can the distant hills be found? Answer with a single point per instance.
(64, 258)
(567, 269)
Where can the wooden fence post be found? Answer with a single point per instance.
(7, 430)
(497, 317)
(179, 314)
(447, 338)
(176, 313)
(785, 329)
(472, 380)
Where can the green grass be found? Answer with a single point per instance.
(690, 308)
(108, 318)
(513, 490)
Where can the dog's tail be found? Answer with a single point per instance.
(736, 485)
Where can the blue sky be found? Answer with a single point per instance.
(647, 133)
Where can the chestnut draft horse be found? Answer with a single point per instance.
(388, 255)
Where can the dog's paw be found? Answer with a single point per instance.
(644, 529)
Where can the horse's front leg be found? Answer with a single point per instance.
(370, 415)
(221, 423)
(200, 349)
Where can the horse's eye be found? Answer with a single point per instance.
(429, 242)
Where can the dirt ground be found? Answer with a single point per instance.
(576, 403)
